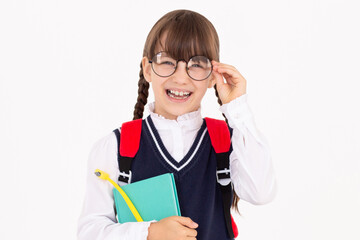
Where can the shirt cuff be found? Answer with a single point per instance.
(237, 111)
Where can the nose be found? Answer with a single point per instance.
(180, 74)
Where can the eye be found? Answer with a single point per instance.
(197, 66)
(199, 62)
(167, 63)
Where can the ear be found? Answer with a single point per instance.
(146, 69)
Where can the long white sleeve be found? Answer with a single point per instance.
(251, 166)
(97, 220)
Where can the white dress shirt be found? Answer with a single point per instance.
(251, 168)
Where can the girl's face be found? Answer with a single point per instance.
(168, 105)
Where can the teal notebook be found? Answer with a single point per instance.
(155, 198)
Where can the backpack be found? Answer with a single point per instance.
(220, 141)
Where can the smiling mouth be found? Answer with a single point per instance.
(178, 94)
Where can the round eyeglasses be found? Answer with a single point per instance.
(198, 67)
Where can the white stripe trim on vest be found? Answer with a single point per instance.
(163, 155)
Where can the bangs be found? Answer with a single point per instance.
(185, 41)
(187, 34)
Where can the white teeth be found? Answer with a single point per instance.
(177, 93)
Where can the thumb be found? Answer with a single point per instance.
(219, 80)
(186, 221)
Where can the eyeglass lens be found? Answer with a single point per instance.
(198, 67)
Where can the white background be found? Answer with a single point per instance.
(68, 76)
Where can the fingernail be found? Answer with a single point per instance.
(195, 224)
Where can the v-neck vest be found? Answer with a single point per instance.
(195, 177)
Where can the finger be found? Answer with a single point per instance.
(232, 76)
(224, 66)
(228, 70)
(230, 73)
(218, 64)
(191, 233)
(223, 74)
(219, 79)
(186, 221)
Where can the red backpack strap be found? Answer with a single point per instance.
(221, 141)
(130, 133)
(219, 134)
(128, 145)
(234, 227)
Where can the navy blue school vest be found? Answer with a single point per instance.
(199, 193)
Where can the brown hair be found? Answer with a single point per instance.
(188, 33)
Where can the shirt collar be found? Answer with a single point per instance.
(190, 120)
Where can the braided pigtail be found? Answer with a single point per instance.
(236, 198)
(220, 102)
(143, 93)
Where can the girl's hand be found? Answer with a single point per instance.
(235, 85)
(174, 227)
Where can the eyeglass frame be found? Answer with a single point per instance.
(187, 68)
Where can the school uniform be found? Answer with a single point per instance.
(183, 147)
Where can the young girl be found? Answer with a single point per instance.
(181, 60)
